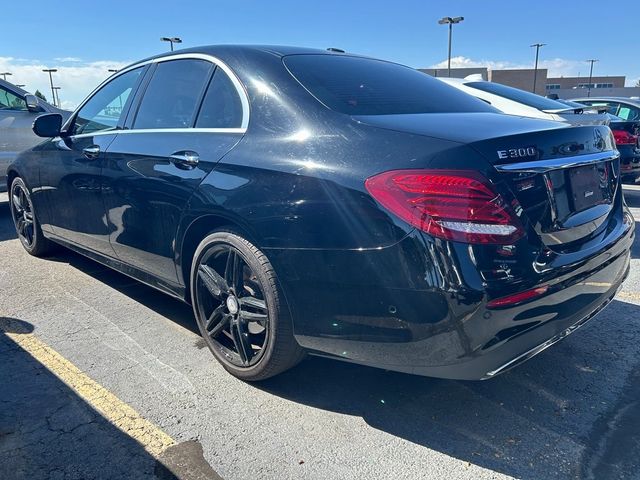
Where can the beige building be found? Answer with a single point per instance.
(518, 78)
(564, 87)
(565, 83)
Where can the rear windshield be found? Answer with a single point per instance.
(362, 86)
(517, 95)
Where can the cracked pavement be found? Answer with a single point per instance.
(572, 412)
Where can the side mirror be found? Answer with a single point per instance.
(48, 125)
(32, 103)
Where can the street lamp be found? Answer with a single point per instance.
(450, 21)
(535, 68)
(171, 40)
(53, 93)
(592, 61)
(55, 89)
(4, 75)
(113, 70)
(20, 85)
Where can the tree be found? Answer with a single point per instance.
(638, 83)
(40, 95)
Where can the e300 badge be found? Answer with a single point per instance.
(524, 152)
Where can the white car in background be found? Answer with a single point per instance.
(514, 101)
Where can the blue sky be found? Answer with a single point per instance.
(83, 43)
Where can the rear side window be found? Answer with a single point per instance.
(172, 96)
(362, 86)
(221, 107)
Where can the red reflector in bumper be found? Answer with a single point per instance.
(518, 297)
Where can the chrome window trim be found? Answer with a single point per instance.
(541, 166)
(115, 131)
(244, 99)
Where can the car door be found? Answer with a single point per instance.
(71, 165)
(188, 117)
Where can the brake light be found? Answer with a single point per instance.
(622, 137)
(518, 297)
(456, 205)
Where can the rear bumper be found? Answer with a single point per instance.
(420, 307)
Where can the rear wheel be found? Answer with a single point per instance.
(239, 309)
(26, 221)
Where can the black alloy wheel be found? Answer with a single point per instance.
(25, 221)
(238, 308)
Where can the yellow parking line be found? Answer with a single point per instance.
(121, 415)
(629, 296)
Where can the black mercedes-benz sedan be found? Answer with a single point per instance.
(308, 201)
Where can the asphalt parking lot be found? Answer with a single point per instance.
(103, 377)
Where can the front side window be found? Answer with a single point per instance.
(10, 101)
(171, 99)
(103, 111)
(221, 107)
(363, 86)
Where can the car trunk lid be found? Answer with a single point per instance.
(565, 180)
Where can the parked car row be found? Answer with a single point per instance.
(18, 110)
(319, 202)
(621, 115)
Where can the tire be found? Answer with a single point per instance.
(239, 308)
(26, 222)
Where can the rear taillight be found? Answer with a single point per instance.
(518, 297)
(456, 205)
(622, 137)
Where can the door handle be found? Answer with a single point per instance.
(185, 159)
(91, 152)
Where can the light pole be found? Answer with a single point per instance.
(592, 61)
(4, 75)
(171, 40)
(450, 21)
(20, 85)
(53, 93)
(535, 68)
(113, 70)
(56, 89)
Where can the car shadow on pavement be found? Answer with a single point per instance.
(48, 431)
(571, 412)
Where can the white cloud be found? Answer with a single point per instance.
(68, 59)
(76, 79)
(558, 67)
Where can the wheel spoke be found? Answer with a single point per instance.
(20, 226)
(233, 270)
(253, 302)
(241, 341)
(28, 233)
(17, 203)
(253, 316)
(220, 326)
(212, 281)
(215, 317)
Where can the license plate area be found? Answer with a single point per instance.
(589, 186)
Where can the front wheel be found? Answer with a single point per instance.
(26, 221)
(239, 309)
